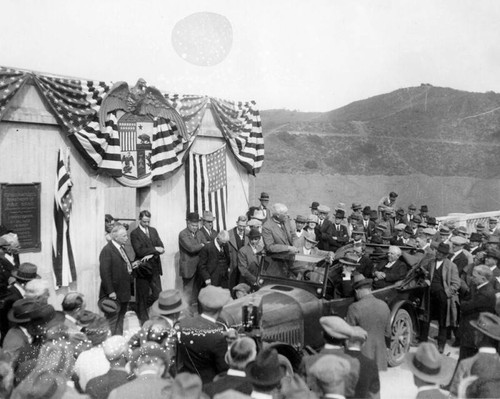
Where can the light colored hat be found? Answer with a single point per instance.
(310, 236)
(300, 219)
(458, 240)
(429, 365)
(336, 327)
(323, 209)
(400, 226)
(168, 302)
(212, 297)
(258, 214)
(429, 231)
(208, 216)
(186, 386)
(330, 370)
(114, 347)
(313, 219)
(241, 352)
(254, 223)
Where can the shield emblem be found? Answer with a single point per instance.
(136, 135)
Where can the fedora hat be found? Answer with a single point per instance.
(431, 221)
(443, 248)
(193, 217)
(310, 236)
(109, 306)
(340, 213)
(314, 205)
(475, 237)
(265, 370)
(168, 302)
(264, 196)
(358, 230)
(424, 208)
(242, 351)
(22, 310)
(355, 206)
(208, 216)
(300, 219)
(330, 370)
(493, 253)
(312, 219)
(367, 210)
(429, 365)
(258, 214)
(359, 281)
(254, 233)
(26, 272)
(349, 259)
(488, 323)
(444, 230)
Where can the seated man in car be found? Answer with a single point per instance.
(390, 271)
(306, 245)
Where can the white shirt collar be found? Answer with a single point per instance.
(118, 246)
(208, 318)
(330, 346)
(20, 288)
(306, 251)
(260, 395)
(428, 388)
(333, 396)
(236, 373)
(482, 285)
(25, 332)
(70, 318)
(217, 245)
(493, 267)
(143, 229)
(389, 265)
(487, 349)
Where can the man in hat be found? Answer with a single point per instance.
(474, 243)
(357, 208)
(265, 374)
(339, 237)
(357, 236)
(314, 207)
(398, 238)
(241, 352)
(249, 258)
(493, 227)
(480, 228)
(486, 338)
(491, 259)
(148, 364)
(307, 246)
(190, 244)
(336, 332)
(458, 256)
(116, 351)
(481, 298)
(214, 264)
(373, 315)
(241, 290)
(169, 306)
(26, 272)
(390, 271)
(115, 269)
(202, 344)
(387, 201)
(207, 227)
(237, 240)
(148, 248)
(278, 240)
(410, 214)
(430, 370)
(368, 225)
(442, 296)
(330, 372)
(387, 220)
(72, 305)
(324, 228)
(300, 222)
(264, 203)
(424, 213)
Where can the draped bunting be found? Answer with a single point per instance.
(76, 104)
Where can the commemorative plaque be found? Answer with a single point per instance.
(20, 212)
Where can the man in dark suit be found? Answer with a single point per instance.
(115, 270)
(213, 267)
(264, 203)
(491, 260)
(147, 247)
(207, 229)
(480, 299)
(202, 344)
(368, 225)
(190, 245)
(237, 240)
(249, 258)
(324, 228)
(391, 270)
(340, 236)
(115, 349)
(241, 352)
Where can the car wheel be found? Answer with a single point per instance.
(401, 336)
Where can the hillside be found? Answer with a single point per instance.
(419, 130)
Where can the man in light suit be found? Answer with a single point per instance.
(213, 267)
(278, 240)
(237, 240)
(115, 270)
(190, 245)
(148, 247)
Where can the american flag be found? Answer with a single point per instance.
(62, 253)
(11, 81)
(206, 182)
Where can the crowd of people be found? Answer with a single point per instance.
(171, 343)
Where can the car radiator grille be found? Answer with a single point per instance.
(290, 333)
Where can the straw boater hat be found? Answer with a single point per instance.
(429, 365)
(26, 272)
(323, 209)
(168, 302)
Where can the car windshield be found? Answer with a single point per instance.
(295, 267)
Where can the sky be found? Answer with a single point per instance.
(307, 55)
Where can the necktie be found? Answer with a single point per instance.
(338, 227)
(126, 259)
(147, 231)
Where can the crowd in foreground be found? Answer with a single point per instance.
(180, 349)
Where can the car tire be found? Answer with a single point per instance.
(401, 337)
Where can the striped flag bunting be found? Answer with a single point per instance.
(76, 104)
(63, 260)
(206, 185)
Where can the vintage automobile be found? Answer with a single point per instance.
(291, 306)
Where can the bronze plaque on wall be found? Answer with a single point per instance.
(20, 212)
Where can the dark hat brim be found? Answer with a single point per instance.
(15, 274)
(367, 282)
(12, 317)
(105, 303)
(445, 372)
(251, 376)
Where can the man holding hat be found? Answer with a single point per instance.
(190, 245)
(249, 258)
(148, 363)
(202, 344)
(373, 315)
(430, 370)
(207, 227)
(442, 296)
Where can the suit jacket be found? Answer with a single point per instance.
(202, 347)
(368, 385)
(14, 341)
(114, 273)
(373, 315)
(324, 233)
(339, 238)
(479, 300)
(223, 382)
(369, 229)
(190, 246)
(248, 265)
(461, 261)
(234, 272)
(11, 295)
(143, 387)
(464, 367)
(144, 245)
(365, 266)
(207, 237)
(277, 239)
(100, 387)
(209, 268)
(395, 273)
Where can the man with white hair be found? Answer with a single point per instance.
(278, 239)
(37, 289)
(390, 271)
(215, 261)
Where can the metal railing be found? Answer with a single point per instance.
(469, 220)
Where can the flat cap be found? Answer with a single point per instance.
(330, 369)
(213, 297)
(458, 240)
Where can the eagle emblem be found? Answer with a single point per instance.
(135, 110)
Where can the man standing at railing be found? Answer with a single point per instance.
(493, 226)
